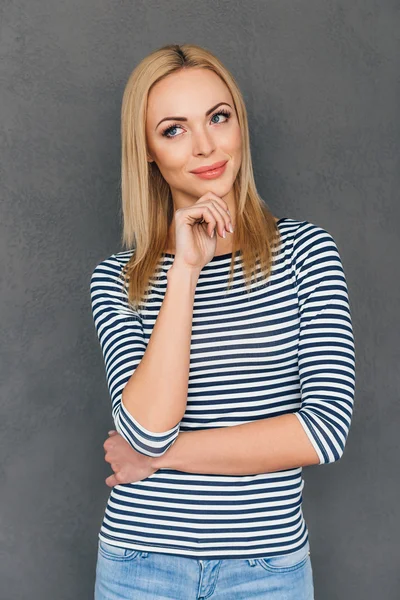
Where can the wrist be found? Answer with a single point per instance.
(171, 459)
(183, 273)
(158, 462)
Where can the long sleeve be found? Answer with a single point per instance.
(326, 353)
(122, 341)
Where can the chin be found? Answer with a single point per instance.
(219, 188)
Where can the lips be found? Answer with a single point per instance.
(209, 167)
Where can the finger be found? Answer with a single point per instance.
(111, 481)
(107, 457)
(112, 432)
(212, 216)
(221, 218)
(225, 218)
(196, 214)
(106, 445)
(221, 206)
(224, 205)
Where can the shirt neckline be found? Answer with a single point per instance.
(220, 256)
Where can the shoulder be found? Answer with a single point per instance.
(308, 246)
(295, 229)
(303, 235)
(112, 265)
(106, 279)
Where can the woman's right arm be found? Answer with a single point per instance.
(156, 393)
(152, 379)
(148, 384)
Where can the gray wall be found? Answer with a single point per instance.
(320, 79)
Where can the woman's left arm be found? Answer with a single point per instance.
(262, 446)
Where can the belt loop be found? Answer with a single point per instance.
(251, 561)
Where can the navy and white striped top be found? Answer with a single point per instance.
(286, 347)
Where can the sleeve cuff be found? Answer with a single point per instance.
(141, 439)
(307, 426)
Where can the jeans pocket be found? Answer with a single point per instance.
(286, 562)
(112, 552)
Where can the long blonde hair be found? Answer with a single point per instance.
(147, 206)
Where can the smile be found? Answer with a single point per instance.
(212, 173)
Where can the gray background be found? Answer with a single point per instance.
(320, 80)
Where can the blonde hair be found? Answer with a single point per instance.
(147, 206)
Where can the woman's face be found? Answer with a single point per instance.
(182, 137)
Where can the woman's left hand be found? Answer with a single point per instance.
(128, 465)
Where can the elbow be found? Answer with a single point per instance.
(144, 441)
(328, 439)
(333, 456)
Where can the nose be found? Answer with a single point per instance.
(202, 142)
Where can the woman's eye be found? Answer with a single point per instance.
(223, 113)
(167, 132)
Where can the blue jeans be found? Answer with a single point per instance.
(126, 574)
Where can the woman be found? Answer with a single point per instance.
(228, 348)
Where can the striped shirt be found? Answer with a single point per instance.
(287, 347)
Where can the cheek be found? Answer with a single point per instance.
(237, 139)
(171, 157)
(232, 141)
(171, 161)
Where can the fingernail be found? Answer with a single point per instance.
(224, 233)
(230, 227)
(111, 431)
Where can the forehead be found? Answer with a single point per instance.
(186, 93)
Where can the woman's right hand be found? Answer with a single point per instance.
(194, 226)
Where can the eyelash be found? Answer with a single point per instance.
(223, 112)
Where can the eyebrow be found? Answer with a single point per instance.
(185, 119)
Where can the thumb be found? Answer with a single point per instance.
(111, 481)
